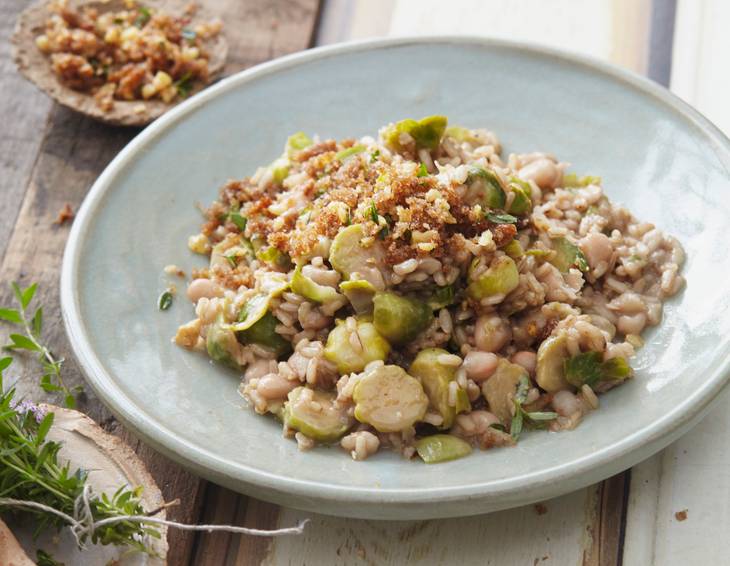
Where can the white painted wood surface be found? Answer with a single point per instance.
(557, 536)
(691, 475)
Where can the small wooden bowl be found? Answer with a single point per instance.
(35, 65)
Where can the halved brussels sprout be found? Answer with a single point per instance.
(348, 255)
(550, 371)
(485, 188)
(400, 319)
(500, 388)
(514, 249)
(274, 257)
(349, 152)
(389, 399)
(221, 344)
(442, 448)
(339, 349)
(616, 369)
(253, 311)
(297, 142)
(460, 134)
(426, 132)
(360, 293)
(263, 332)
(435, 378)
(522, 200)
(318, 418)
(501, 278)
(304, 286)
(568, 255)
(279, 170)
(571, 180)
(583, 368)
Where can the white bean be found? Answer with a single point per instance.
(526, 359)
(480, 366)
(597, 249)
(631, 324)
(491, 333)
(566, 404)
(200, 288)
(273, 386)
(544, 172)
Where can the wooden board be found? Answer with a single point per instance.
(51, 156)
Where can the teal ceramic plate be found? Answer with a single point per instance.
(656, 155)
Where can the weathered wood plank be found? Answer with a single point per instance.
(23, 114)
(678, 509)
(549, 533)
(606, 529)
(220, 508)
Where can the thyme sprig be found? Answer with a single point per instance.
(535, 419)
(51, 380)
(30, 471)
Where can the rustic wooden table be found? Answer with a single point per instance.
(50, 156)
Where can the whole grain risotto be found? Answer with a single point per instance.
(420, 293)
(139, 53)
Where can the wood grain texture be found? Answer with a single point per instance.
(21, 137)
(553, 532)
(50, 157)
(606, 529)
(678, 508)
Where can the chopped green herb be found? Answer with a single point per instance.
(184, 85)
(232, 260)
(238, 220)
(165, 301)
(373, 212)
(143, 16)
(522, 417)
(374, 156)
(495, 218)
(422, 171)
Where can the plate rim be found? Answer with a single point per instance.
(238, 475)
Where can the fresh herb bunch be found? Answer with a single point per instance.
(51, 380)
(30, 471)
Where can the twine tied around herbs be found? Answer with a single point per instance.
(82, 522)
